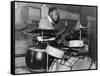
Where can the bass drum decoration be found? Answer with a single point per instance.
(36, 60)
(73, 63)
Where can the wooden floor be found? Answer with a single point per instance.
(21, 70)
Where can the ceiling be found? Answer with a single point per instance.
(87, 10)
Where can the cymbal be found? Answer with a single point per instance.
(84, 27)
(43, 30)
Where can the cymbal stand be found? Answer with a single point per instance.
(46, 52)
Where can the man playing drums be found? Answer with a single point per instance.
(51, 21)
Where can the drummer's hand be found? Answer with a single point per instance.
(24, 32)
(58, 36)
(59, 41)
(86, 47)
(39, 38)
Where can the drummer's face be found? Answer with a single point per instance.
(54, 15)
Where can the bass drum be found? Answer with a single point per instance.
(36, 60)
(73, 63)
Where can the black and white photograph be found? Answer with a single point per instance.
(52, 37)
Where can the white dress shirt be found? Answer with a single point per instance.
(46, 23)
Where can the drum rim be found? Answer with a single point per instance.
(36, 70)
(37, 49)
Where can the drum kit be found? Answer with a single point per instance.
(54, 57)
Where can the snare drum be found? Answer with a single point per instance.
(55, 52)
(36, 59)
(73, 63)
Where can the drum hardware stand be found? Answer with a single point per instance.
(47, 58)
(80, 32)
(57, 66)
(47, 53)
(42, 35)
(69, 58)
(55, 60)
(81, 27)
(32, 57)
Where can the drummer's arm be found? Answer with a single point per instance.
(60, 34)
(64, 29)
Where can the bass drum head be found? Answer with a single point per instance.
(82, 64)
(74, 63)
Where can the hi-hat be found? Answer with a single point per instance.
(82, 27)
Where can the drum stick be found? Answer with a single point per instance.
(55, 61)
(68, 58)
